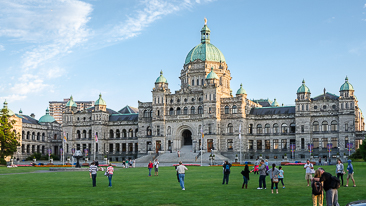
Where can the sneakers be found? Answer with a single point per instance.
(184, 189)
(259, 188)
(283, 187)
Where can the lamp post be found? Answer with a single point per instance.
(107, 157)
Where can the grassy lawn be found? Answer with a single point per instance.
(134, 187)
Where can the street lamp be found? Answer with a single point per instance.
(107, 157)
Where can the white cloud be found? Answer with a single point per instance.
(13, 98)
(2, 48)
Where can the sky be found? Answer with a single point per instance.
(52, 49)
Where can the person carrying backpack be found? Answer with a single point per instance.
(317, 190)
(331, 185)
(226, 167)
(350, 173)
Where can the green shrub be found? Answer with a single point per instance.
(2, 161)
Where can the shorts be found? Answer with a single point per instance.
(308, 176)
(156, 169)
(350, 176)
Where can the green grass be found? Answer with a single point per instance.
(134, 187)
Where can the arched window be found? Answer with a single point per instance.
(34, 135)
(124, 133)
(150, 113)
(111, 134)
(148, 130)
(324, 126)
(227, 109)
(192, 82)
(275, 128)
(230, 128)
(84, 133)
(146, 114)
(78, 135)
(284, 128)
(171, 111)
(169, 130)
(267, 128)
(136, 131)
(118, 134)
(198, 82)
(28, 135)
(38, 136)
(235, 109)
(200, 110)
(193, 110)
(292, 128)
(185, 110)
(315, 126)
(130, 133)
(334, 126)
(259, 129)
(178, 111)
(43, 137)
(90, 134)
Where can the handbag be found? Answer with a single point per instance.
(274, 178)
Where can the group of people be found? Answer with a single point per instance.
(155, 165)
(93, 169)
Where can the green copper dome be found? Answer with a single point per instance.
(275, 103)
(46, 118)
(241, 90)
(71, 103)
(161, 78)
(303, 88)
(10, 113)
(212, 75)
(205, 51)
(100, 101)
(346, 86)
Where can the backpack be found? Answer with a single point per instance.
(317, 188)
(335, 183)
(227, 168)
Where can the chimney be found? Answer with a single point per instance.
(33, 116)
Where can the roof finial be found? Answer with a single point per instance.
(161, 72)
(205, 21)
(303, 81)
(346, 79)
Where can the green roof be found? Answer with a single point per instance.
(212, 75)
(71, 103)
(205, 51)
(100, 101)
(46, 118)
(275, 103)
(303, 88)
(346, 86)
(161, 78)
(241, 90)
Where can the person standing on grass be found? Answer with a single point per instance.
(93, 173)
(320, 161)
(181, 169)
(262, 176)
(273, 173)
(256, 163)
(226, 167)
(350, 173)
(308, 175)
(245, 174)
(317, 195)
(331, 193)
(130, 162)
(110, 171)
(150, 166)
(156, 165)
(281, 176)
(340, 170)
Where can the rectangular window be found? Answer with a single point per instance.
(229, 144)
(209, 129)
(275, 144)
(316, 143)
(302, 128)
(268, 144)
(325, 142)
(157, 130)
(250, 144)
(302, 143)
(123, 147)
(284, 143)
(259, 144)
(346, 127)
(345, 142)
(334, 141)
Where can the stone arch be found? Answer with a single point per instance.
(185, 133)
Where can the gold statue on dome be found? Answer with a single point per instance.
(205, 21)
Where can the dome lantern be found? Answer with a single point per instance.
(303, 88)
(241, 90)
(47, 118)
(346, 86)
(161, 78)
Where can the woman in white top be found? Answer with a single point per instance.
(340, 170)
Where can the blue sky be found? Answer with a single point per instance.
(51, 49)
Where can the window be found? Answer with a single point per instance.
(333, 126)
(200, 110)
(302, 143)
(124, 132)
(226, 109)
(193, 110)
(284, 128)
(292, 128)
(346, 127)
(178, 111)
(111, 133)
(229, 144)
(275, 128)
(192, 82)
(169, 130)
(185, 100)
(185, 110)
(192, 99)
(157, 130)
(315, 126)
(230, 128)
(346, 142)
(235, 109)
(250, 128)
(334, 106)
(267, 128)
(315, 107)
(316, 143)
(334, 141)
(259, 144)
(201, 81)
(148, 130)
(324, 126)
(267, 144)
(198, 82)
(275, 144)
(209, 129)
(259, 129)
(171, 111)
(324, 106)
(284, 143)
(324, 142)
(171, 101)
(118, 134)
(302, 129)
(250, 144)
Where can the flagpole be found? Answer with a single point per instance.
(201, 144)
(240, 143)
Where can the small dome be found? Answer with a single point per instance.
(303, 88)
(212, 75)
(346, 86)
(20, 111)
(71, 103)
(275, 103)
(241, 90)
(100, 101)
(10, 113)
(47, 118)
(161, 78)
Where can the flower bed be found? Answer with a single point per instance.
(53, 165)
(295, 164)
(105, 165)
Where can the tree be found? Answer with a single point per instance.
(9, 140)
(363, 150)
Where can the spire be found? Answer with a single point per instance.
(47, 111)
(20, 111)
(205, 34)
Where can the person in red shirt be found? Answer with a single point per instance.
(150, 166)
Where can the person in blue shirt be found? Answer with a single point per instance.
(350, 173)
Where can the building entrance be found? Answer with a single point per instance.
(187, 137)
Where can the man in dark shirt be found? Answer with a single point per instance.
(331, 194)
(226, 167)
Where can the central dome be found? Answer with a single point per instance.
(205, 51)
